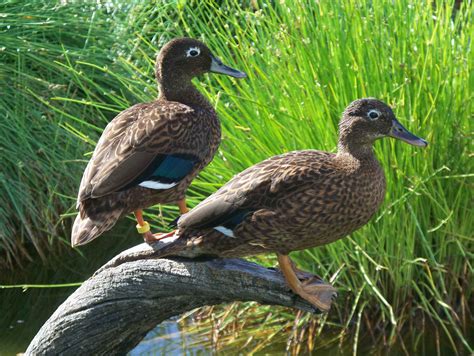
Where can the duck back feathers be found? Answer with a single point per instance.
(288, 202)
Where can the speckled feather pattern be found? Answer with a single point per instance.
(180, 121)
(158, 127)
(301, 199)
(297, 200)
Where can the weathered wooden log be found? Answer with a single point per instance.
(114, 309)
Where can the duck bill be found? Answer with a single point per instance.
(218, 67)
(401, 133)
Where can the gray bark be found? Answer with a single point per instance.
(114, 309)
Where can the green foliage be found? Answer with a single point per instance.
(306, 61)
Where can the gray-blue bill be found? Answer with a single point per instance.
(401, 133)
(218, 67)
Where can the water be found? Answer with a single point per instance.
(23, 312)
(169, 339)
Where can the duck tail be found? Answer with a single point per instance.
(173, 246)
(177, 246)
(86, 229)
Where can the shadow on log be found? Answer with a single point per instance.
(125, 299)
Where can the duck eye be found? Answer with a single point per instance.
(373, 114)
(193, 52)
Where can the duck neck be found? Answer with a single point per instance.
(182, 90)
(362, 151)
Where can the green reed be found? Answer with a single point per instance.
(306, 61)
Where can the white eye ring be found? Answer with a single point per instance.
(193, 52)
(373, 114)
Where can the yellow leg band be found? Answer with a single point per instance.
(143, 228)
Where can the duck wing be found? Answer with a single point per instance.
(143, 145)
(262, 186)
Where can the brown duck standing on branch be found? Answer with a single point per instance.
(150, 152)
(295, 201)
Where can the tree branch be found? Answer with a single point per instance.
(125, 299)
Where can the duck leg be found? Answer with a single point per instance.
(143, 227)
(183, 208)
(306, 285)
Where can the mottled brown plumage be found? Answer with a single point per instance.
(145, 145)
(297, 200)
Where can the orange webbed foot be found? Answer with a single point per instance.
(309, 287)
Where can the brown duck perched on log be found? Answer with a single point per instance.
(150, 152)
(296, 200)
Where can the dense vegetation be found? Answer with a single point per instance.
(66, 70)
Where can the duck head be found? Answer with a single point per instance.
(182, 59)
(366, 120)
